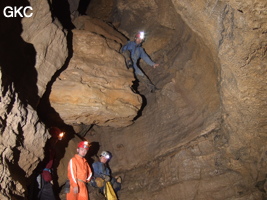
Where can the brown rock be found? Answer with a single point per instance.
(96, 86)
(100, 27)
(48, 40)
(32, 50)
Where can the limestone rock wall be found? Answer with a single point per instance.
(21, 135)
(31, 51)
(201, 136)
(171, 152)
(49, 42)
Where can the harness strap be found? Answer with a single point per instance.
(81, 180)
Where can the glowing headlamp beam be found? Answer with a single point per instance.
(142, 35)
(60, 136)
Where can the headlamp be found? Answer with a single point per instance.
(142, 35)
(105, 154)
(60, 136)
(83, 144)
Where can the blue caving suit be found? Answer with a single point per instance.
(100, 170)
(137, 51)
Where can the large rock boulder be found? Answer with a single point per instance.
(96, 86)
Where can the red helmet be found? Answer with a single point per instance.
(83, 144)
(140, 35)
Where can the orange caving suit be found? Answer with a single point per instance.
(79, 172)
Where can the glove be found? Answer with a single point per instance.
(75, 190)
(129, 64)
(106, 178)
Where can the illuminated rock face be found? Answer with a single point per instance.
(96, 86)
(201, 136)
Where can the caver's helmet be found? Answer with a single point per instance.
(105, 154)
(83, 144)
(140, 35)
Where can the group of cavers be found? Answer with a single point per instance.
(80, 174)
(79, 171)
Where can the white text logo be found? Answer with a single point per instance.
(20, 11)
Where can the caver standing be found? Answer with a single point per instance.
(102, 173)
(45, 178)
(79, 173)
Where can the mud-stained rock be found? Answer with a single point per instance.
(96, 86)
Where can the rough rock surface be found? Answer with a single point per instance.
(31, 51)
(100, 27)
(21, 135)
(202, 136)
(49, 42)
(96, 86)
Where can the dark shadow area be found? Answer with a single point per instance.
(144, 100)
(84, 129)
(17, 57)
(83, 5)
(135, 86)
(17, 62)
(55, 151)
(51, 118)
(16, 172)
(92, 153)
(139, 113)
(61, 10)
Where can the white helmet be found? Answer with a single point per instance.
(105, 154)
